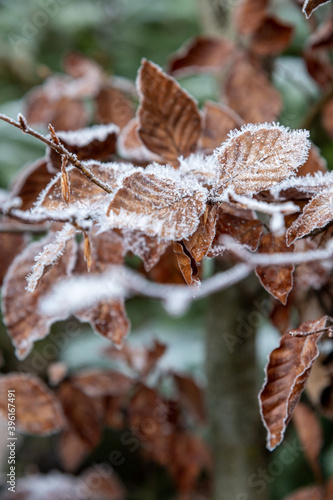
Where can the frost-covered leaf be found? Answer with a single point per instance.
(218, 120)
(37, 410)
(260, 102)
(310, 5)
(322, 38)
(317, 214)
(257, 157)
(21, 315)
(98, 142)
(314, 163)
(272, 37)
(148, 248)
(186, 263)
(167, 269)
(159, 202)
(11, 244)
(113, 105)
(130, 145)
(48, 257)
(200, 241)
(287, 372)
(310, 327)
(278, 280)
(309, 433)
(170, 122)
(249, 15)
(202, 54)
(30, 183)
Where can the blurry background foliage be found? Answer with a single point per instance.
(34, 36)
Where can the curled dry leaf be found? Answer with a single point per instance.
(11, 244)
(287, 372)
(186, 263)
(218, 120)
(249, 15)
(30, 182)
(259, 156)
(130, 145)
(310, 5)
(317, 214)
(272, 37)
(98, 142)
(170, 122)
(148, 248)
(278, 280)
(261, 102)
(310, 435)
(21, 315)
(167, 269)
(202, 54)
(158, 203)
(37, 410)
(113, 105)
(199, 243)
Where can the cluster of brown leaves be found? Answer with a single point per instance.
(80, 405)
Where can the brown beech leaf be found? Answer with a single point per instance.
(37, 410)
(131, 147)
(113, 105)
(200, 241)
(261, 102)
(287, 372)
(322, 38)
(11, 244)
(99, 383)
(98, 142)
(310, 435)
(278, 280)
(167, 269)
(158, 204)
(218, 120)
(246, 231)
(148, 248)
(310, 5)
(191, 396)
(186, 263)
(83, 413)
(71, 449)
(170, 122)
(310, 327)
(259, 156)
(271, 37)
(317, 214)
(202, 54)
(319, 66)
(86, 72)
(249, 15)
(21, 315)
(314, 163)
(307, 493)
(30, 183)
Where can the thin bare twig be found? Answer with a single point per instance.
(21, 124)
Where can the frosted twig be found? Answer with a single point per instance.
(57, 146)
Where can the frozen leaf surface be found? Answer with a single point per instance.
(170, 122)
(200, 241)
(310, 5)
(38, 411)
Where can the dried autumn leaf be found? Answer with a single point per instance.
(148, 248)
(21, 315)
(186, 264)
(218, 120)
(317, 214)
(311, 327)
(98, 143)
(278, 280)
(310, 5)
(191, 395)
(310, 435)
(287, 372)
(322, 38)
(249, 15)
(99, 383)
(319, 66)
(71, 449)
(37, 410)
(30, 183)
(261, 102)
(11, 244)
(170, 122)
(103, 483)
(246, 231)
(159, 203)
(131, 147)
(202, 54)
(314, 163)
(167, 269)
(200, 241)
(113, 105)
(259, 156)
(87, 73)
(271, 37)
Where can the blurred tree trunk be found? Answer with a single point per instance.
(236, 433)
